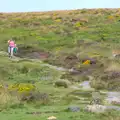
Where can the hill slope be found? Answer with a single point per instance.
(65, 39)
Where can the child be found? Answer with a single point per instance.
(11, 47)
(15, 48)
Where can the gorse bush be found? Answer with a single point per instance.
(62, 83)
(25, 92)
(111, 17)
(22, 87)
(58, 20)
(78, 24)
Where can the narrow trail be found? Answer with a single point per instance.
(34, 60)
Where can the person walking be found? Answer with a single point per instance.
(11, 47)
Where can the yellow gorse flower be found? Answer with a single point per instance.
(58, 20)
(78, 24)
(1, 86)
(22, 87)
(54, 14)
(57, 50)
(86, 62)
(110, 17)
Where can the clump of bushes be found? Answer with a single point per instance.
(43, 98)
(78, 24)
(62, 83)
(21, 87)
(26, 92)
(75, 77)
(107, 80)
(111, 17)
(58, 20)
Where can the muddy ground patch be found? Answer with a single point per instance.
(31, 52)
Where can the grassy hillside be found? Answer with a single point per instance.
(54, 29)
(61, 38)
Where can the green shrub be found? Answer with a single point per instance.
(27, 92)
(62, 83)
(78, 24)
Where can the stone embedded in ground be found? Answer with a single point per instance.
(113, 98)
(113, 108)
(74, 108)
(75, 87)
(52, 118)
(96, 108)
(86, 85)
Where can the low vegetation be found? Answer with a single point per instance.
(64, 39)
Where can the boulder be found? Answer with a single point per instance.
(96, 108)
(74, 108)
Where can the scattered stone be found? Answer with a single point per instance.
(85, 84)
(52, 118)
(113, 98)
(113, 108)
(75, 87)
(74, 109)
(96, 108)
(100, 108)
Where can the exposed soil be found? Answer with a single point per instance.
(31, 53)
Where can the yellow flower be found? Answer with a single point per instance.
(58, 20)
(27, 88)
(57, 50)
(54, 14)
(78, 24)
(110, 17)
(20, 89)
(86, 62)
(1, 86)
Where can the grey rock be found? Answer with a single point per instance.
(113, 108)
(113, 97)
(100, 108)
(95, 108)
(74, 108)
